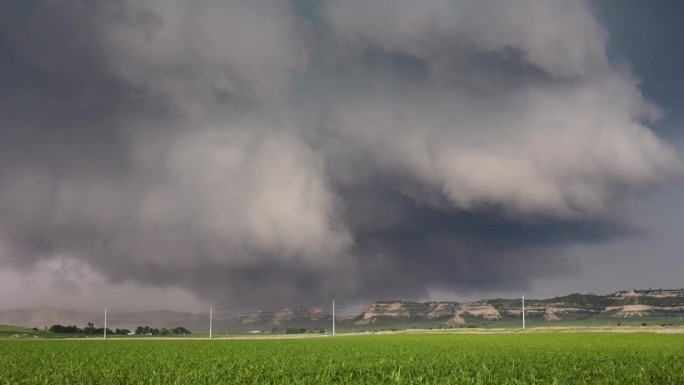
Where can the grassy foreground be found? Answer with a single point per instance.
(517, 358)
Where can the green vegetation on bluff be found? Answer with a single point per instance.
(18, 331)
(516, 358)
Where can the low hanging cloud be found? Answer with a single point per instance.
(261, 153)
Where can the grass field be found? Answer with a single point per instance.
(514, 358)
(18, 331)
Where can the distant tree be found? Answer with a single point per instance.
(65, 329)
(101, 331)
(180, 330)
(147, 331)
(90, 328)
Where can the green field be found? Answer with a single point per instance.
(513, 358)
(21, 332)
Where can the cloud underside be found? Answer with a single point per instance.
(258, 152)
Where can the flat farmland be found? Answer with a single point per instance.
(440, 358)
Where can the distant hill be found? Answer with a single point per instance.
(11, 331)
(633, 307)
(628, 304)
(44, 317)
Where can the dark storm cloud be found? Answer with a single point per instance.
(260, 152)
(405, 245)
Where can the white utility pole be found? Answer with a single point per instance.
(211, 316)
(105, 327)
(333, 317)
(523, 311)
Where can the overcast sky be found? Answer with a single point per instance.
(172, 154)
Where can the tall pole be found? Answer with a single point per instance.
(523, 311)
(105, 326)
(333, 317)
(211, 316)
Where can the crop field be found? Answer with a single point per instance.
(514, 358)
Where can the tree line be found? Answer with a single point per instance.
(140, 330)
(148, 331)
(300, 330)
(90, 329)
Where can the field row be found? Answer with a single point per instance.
(523, 358)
